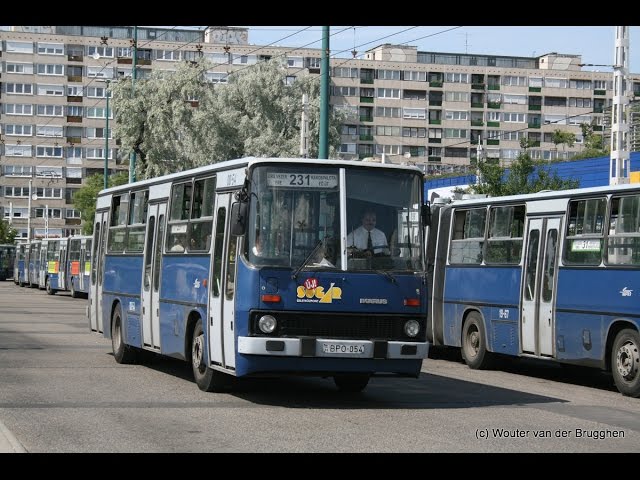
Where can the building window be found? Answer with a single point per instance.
(19, 88)
(50, 48)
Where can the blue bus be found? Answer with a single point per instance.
(242, 268)
(7, 259)
(32, 263)
(52, 275)
(77, 265)
(19, 270)
(553, 276)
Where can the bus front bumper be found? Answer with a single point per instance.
(325, 347)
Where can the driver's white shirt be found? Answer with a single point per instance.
(360, 235)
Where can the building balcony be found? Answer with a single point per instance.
(434, 159)
(74, 119)
(493, 86)
(535, 89)
(74, 99)
(366, 99)
(366, 118)
(493, 141)
(533, 125)
(477, 86)
(435, 121)
(477, 105)
(74, 140)
(535, 108)
(435, 140)
(598, 128)
(366, 138)
(74, 78)
(599, 92)
(366, 80)
(75, 58)
(477, 123)
(435, 103)
(494, 105)
(435, 84)
(493, 124)
(124, 60)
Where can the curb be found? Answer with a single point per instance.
(8, 442)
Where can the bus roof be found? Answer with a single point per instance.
(250, 161)
(548, 195)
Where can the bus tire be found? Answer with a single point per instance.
(207, 379)
(625, 362)
(351, 382)
(474, 343)
(72, 288)
(122, 352)
(47, 286)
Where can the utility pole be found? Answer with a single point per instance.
(619, 160)
(29, 211)
(304, 128)
(106, 140)
(323, 145)
(46, 221)
(479, 155)
(132, 155)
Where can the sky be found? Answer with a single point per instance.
(594, 43)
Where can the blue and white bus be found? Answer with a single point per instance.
(77, 265)
(553, 275)
(19, 269)
(242, 268)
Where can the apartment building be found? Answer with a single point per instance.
(431, 107)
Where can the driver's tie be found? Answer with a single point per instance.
(369, 242)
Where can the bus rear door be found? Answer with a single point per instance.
(151, 274)
(538, 292)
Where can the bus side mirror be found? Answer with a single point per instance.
(239, 218)
(425, 213)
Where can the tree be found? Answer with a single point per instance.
(564, 138)
(84, 199)
(7, 232)
(176, 121)
(525, 176)
(593, 143)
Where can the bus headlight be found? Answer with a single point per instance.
(267, 324)
(411, 328)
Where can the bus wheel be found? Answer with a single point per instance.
(207, 379)
(121, 352)
(351, 383)
(474, 344)
(625, 362)
(50, 291)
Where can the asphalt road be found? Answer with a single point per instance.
(62, 391)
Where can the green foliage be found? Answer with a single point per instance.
(255, 114)
(7, 232)
(525, 176)
(84, 199)
(564, 138)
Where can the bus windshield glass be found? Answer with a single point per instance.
(296, 211)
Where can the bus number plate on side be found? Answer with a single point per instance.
(341, 349)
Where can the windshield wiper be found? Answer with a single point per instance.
(386, 274)
(311, 254)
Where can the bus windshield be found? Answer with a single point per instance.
(295, 218)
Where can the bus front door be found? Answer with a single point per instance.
(538, 286)
(99, 250)
(221, 293)
(150, 275)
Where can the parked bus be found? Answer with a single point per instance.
(242, 268)
(33, 262)
(7, 259)
(553, 276)
(78, 265)
(19, 270)
(51, 275)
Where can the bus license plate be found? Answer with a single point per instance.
(342, 349)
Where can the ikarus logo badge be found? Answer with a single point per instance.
(312, 292)
(625, 292)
